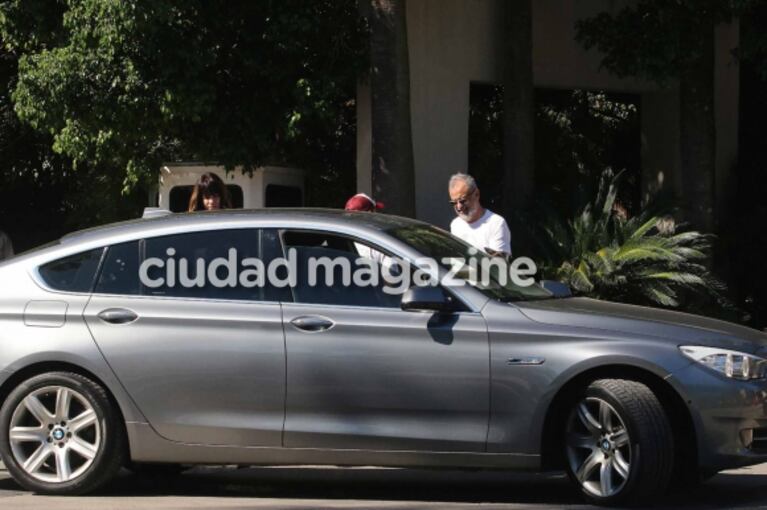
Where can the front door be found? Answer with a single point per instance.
(363, 374)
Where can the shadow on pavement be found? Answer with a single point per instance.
(355, 483)
(723, 491)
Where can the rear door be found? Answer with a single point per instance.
(205, 364)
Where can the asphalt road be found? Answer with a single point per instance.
(336, 488)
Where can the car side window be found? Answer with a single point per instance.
(74, 273)
(271, 249)
(119, 273)
(344, 252)
(208, 264)
(182, 262)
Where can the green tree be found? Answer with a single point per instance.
(125, 85)
(660, 40)
(43, 197)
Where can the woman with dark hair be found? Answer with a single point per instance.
(209, 194)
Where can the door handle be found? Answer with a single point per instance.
(118, 316)
(312, 324)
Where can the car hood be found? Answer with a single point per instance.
(681, 328)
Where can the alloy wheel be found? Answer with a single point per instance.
(54, 434)
(598, 447)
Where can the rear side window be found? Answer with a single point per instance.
(74, 273)
(192, 255)
(197, 252)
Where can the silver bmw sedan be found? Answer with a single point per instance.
(207, 339)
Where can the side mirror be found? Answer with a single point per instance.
(559, 289)
(426, 298)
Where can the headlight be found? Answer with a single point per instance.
(733, 364)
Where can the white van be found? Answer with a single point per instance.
(267, 186)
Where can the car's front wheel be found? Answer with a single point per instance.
(618, 442)
(59, 434)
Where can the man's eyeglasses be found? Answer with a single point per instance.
(461, 201)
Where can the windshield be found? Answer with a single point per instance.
(448, 250)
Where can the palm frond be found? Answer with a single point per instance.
(676, 277)
(607, 257)
(664, 297)
(643, 229)
(647, 253)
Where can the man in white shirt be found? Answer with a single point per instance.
(476, 225)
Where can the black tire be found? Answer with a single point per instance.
(645, 457)
(106, 457)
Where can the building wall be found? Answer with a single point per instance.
(452, 43)
(455, 42)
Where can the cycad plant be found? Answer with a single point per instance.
(643, 260)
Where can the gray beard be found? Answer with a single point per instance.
(466, 216)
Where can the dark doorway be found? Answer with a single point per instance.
(578, 133)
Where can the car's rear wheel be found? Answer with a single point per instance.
(59, 434)
(618, 442)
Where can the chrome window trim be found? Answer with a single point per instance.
(383, 308)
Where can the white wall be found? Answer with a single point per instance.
(452, 43)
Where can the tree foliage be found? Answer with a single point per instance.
(656, 39)
(43, 197)
(753, 38)
(127, 84)
(661, 40)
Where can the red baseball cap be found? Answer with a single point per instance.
(362, 202)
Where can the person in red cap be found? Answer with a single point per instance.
(362, 202)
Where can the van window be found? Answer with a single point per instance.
(277, 195)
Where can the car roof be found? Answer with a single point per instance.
(181, 221)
